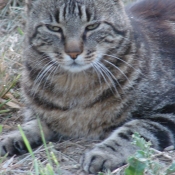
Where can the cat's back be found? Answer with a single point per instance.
(153, 23)
(156, 20)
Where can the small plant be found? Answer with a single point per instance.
(143, 161)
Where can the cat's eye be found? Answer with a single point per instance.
(53, 28)
(93, 26)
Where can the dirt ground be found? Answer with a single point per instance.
(68, 152)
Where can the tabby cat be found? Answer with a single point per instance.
(98, 70)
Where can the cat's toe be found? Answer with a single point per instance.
(100, 160)
(11, 145)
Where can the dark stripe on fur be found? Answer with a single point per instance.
(110, 147)
(104, 96)
(93, 158)
(115, 142)
(50, 17)
(161, 134)
(80, 12)
(111, 128)
(131, 127)
(169, 109)
(124, 136)
(64, 12)
(88, 15)
(57, 15)
(102, 168)
(166, 123)
(128, 50)
(33, 73)
(34, 35)
(119, 32)
(43, 103)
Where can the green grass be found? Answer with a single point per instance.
(10, 48)
(5, 87)
(52, 167)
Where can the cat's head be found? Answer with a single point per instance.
(76, 34)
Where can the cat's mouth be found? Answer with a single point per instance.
(74, 64)
(76, 67)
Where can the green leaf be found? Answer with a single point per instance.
(171, 169)
(5, 111)
(136, 166)
(140, 154)
(5, 91)
(5, 102)
(100, 173)
(132, 171)
(36, 166)
(0, 128)
(140, 142)
(26, 142)
(20, 31)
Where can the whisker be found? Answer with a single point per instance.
(42, 71)
(98, 74)
(30, 46)
(125, 63)
(113, 76)
(98, 67)
(119, 71)
(41, 75)
(50, 74)
(110, 75)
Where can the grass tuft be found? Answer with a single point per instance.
(52, 167)
(11, 32)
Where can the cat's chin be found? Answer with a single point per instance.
(76, 68)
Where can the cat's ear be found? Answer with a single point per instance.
(29, 4)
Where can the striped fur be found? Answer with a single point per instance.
(97, 70)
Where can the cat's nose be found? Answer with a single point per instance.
(73, 47)
(73, 55)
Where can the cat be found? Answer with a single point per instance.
(98, 70)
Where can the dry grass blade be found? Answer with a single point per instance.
(10, 54)
(3, 3)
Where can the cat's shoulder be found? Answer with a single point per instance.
(153, 9)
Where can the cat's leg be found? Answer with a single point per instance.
(114, 151)
(12, 143)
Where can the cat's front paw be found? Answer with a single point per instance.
(102, 158)
(12, 144)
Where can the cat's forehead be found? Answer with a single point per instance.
(69, 11)
(72, 5)
(66, 10)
